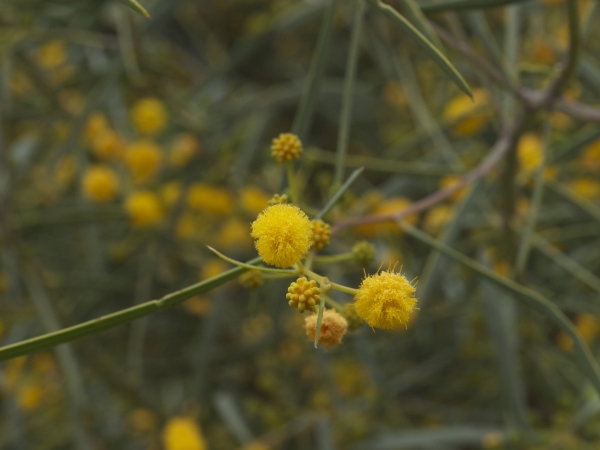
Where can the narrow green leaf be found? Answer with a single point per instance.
(319, 322)
(133, 4)
(339, 193)
(424, 43)
(416, 16)
(457, 5)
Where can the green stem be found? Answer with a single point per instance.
(348, 95)
(292, 182)
(332, 302)
(249, 266)
(334, 258)
(124, 316)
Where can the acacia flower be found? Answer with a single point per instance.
(286, 147)
(385, 300)
(283, 235)
(333, 328)
(100, 184)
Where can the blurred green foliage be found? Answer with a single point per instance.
(128, 144)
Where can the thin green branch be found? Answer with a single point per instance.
(336, 197)
(124, 316)
(348, 94)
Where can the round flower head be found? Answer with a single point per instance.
(286, 147)
(283, 235)
(321, 234)
(149, 116)
(385, 300)
(100, 184)
(144, 209)
(333, 328)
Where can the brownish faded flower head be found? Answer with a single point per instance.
(333, 328)
(286, 147)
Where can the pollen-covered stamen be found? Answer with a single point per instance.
(303, 294)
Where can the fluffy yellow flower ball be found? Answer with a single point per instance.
(143, 159)
(149, 116)
(283, 235)
(385, 300)
(182, 433)
(100, 184)
(144, 209)
(333, 328)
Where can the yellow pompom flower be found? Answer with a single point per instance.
(144, 209)
(182, 433)
(286, 147)
(143, 159)
(100, 184)
(283, 235)
(333, 328)
(385, 300)
(52, 54)
(183, 150)
(149, 116)
(210, 200)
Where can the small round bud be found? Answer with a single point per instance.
(253, 279)
(286, 147)
(349, 313)
(363, 252)
(321, 234)
(333, 328)
(279, 200)
(303, 294)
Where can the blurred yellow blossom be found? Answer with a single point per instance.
(64, 171)
(436, 218)
(471, 114)
(144, 209)
(170, 193)
(142, 420)
(184, 148)
(530, 152)
(388, 206)
(100, 184)
(107, 144)
(234, 234)
(143, 159)
(52, 54)
(588, 188)
(210, 200)
(149, 116)
(451, 180)
(95, 124)
(212, 268)
(30, 395)
(590, 157)
(197, 306)
(254, 200)
(182, 433)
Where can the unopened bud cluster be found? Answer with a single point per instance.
(286, 147)
(303, 294)
(321, 234)
(279, 200)
(363, 252)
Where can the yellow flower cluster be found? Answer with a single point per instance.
(283, 235)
